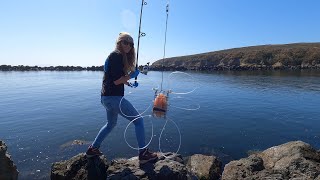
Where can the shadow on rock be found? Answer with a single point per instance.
(81, 168)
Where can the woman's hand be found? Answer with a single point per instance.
(122, 80)
(135, 74)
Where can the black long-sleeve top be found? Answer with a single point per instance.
(113, 70)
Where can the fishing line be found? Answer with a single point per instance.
(165, 43)
(139, 114)
(125, 132)
(157, 92)
(192, 82)
(164, 53)
(152, 134)
(167, 119)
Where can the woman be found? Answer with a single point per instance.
(118, 69)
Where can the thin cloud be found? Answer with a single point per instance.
(128, 19)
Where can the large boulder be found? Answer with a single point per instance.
(204, 167)
(80, 167)
(8, 170)
(167, 166)
(292, 160)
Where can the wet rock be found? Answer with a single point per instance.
(8, 170)
(292, 160)
(75, 143)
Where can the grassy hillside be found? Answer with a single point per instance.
(286, 56)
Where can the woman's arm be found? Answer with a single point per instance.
(115, 69)
(122, 80)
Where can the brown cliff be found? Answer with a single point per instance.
(286, 56)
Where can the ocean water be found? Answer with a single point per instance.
(226, 114)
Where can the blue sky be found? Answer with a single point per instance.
(83, 32)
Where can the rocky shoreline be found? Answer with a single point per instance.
(243, 67)
(264, 57)
(292, 160)
(8, 170)
(50, 68)
(206, 68)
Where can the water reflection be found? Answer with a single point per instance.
(303, 80)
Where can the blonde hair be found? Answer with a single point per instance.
(129, 59)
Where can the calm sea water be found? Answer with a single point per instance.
(42, 112)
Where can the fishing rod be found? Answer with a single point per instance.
(165, 42)
(160, 102)
(140, 34)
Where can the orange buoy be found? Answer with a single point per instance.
(160, 105)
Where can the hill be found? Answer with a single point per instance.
(285, 56)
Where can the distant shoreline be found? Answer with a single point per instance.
(50, 68)
(159, 68)
(294, 56)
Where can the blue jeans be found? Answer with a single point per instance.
(111, 103)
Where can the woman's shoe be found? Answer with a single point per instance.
(146, 155)
(91, 152)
